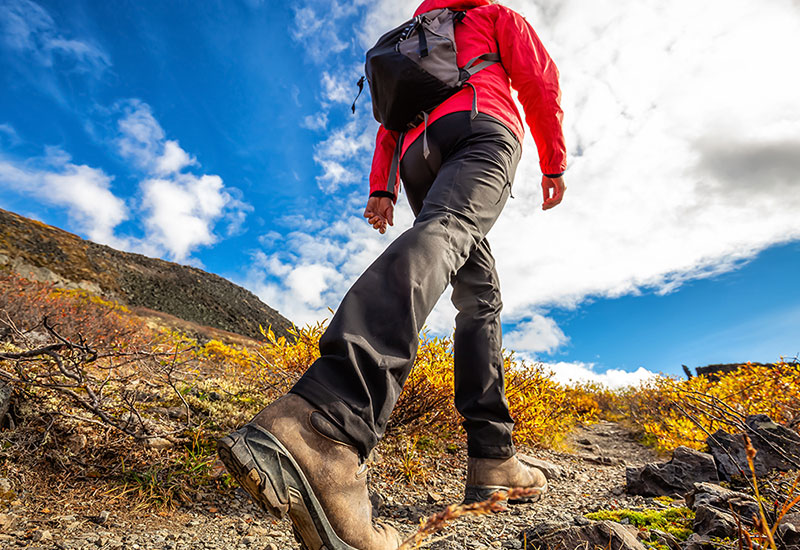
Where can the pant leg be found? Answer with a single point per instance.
(477, 347)
(370, 345)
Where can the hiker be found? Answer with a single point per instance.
(305, 453)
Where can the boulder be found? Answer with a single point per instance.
(699, 542)
(711, 494)
(601, 534)
(716, 509)
(712, 522)
(778, 448)
(788, 536)
(672, 478)
(788, 532)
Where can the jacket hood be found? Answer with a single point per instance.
(429, 5)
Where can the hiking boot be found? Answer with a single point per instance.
(486, 476)
(289, 459)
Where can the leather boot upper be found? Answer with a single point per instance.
(504, 472)
(332, 469)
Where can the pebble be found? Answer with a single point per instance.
(248, 541)
(39, 536)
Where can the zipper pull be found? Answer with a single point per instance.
(360, 89)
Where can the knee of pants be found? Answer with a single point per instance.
(484, 300)
(459, 237)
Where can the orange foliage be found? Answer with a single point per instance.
(673, 412)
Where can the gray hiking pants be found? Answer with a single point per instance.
(369, 348)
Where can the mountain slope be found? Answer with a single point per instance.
(45, 253)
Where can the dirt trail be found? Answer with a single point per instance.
(593, 478)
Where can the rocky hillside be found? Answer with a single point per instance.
(44, 253)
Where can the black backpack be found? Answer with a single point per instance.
(413, 68)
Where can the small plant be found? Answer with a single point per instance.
(675, 521)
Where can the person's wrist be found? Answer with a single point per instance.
(381, 193)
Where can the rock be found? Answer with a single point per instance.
(792, 518)
(716, 509)
(674, 477)
(551, 471)
(699, 542)
(434, 497)
(789, 535)
(102, 518)
(602, 534)
(778, 448)
(272, 546)
(7, 494)
(581, 521)
(159, 443)
(6, 393)
(377, 503)
(248, 541)
(712, 522)
(40, 536)
(710, 494)
(665, 539)
(604, 460)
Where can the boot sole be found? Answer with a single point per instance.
(481, 493)
(277, 484)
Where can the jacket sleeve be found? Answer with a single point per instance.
(535, 77)
(385, 144)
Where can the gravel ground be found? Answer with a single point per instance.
(594, 478)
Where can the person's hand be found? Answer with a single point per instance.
(553, 191)
(379, 212)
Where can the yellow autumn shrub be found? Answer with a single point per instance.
(673, 412)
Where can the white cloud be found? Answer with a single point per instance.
(315, 122)
(83, 190)
(337, 89)
(142, 140)
(345, 155)
(318, 25)
(30, 31)
(181, 212)
(181, 209)
(173, 159)
(578, 373)
(9, 134)
(538, 334)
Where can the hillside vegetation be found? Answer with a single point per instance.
(48, 254)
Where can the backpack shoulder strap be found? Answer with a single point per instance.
(486, 60)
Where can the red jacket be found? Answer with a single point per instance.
(526, 66)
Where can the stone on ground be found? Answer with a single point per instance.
(778, 448)
(672, 478)
(601, 534)
(716, 510)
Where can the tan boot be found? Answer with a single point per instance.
(486, 476)
(288, 466)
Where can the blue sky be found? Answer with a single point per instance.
(219, 134)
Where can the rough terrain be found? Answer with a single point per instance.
(593, 478)
(47, 254)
